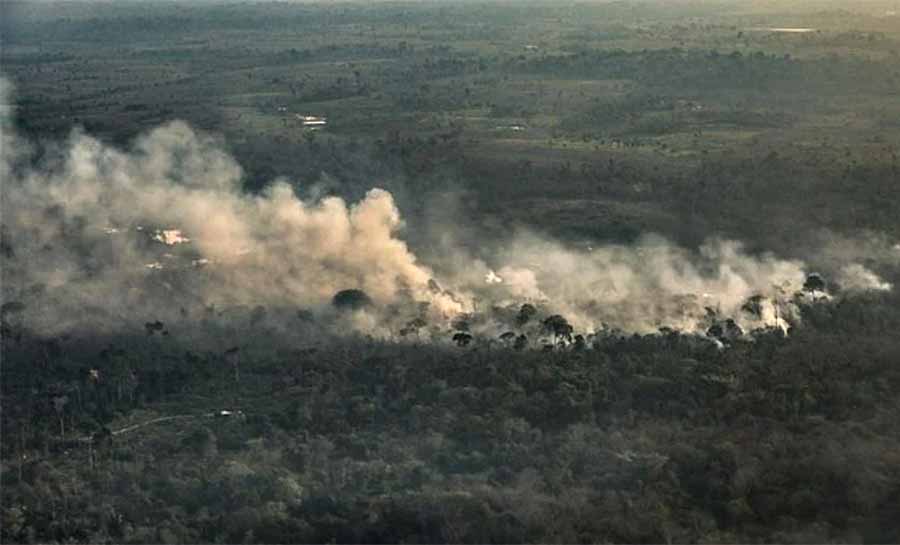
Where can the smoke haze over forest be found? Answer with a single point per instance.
(80, 228)
(449, 271)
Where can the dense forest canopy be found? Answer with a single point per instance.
(468, 271)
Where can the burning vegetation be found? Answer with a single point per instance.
(335, 383)
(347, 263)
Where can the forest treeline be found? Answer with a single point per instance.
(587, 123)
(629, 438)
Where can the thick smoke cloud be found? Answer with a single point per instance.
(648, 285)
(100, 238)
(100, 230)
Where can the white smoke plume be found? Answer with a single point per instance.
(643, 287)
(99, 237)
(855, 278)
(87, 233)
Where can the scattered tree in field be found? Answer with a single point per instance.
(580, 343)
(814, 282)
(727, 330)
(154, 327)
(352, 299)
(558, 326)
(521, 342)
(732, 330)
(526, 313)
(462, 339)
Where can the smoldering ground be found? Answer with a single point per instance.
(103, 239)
